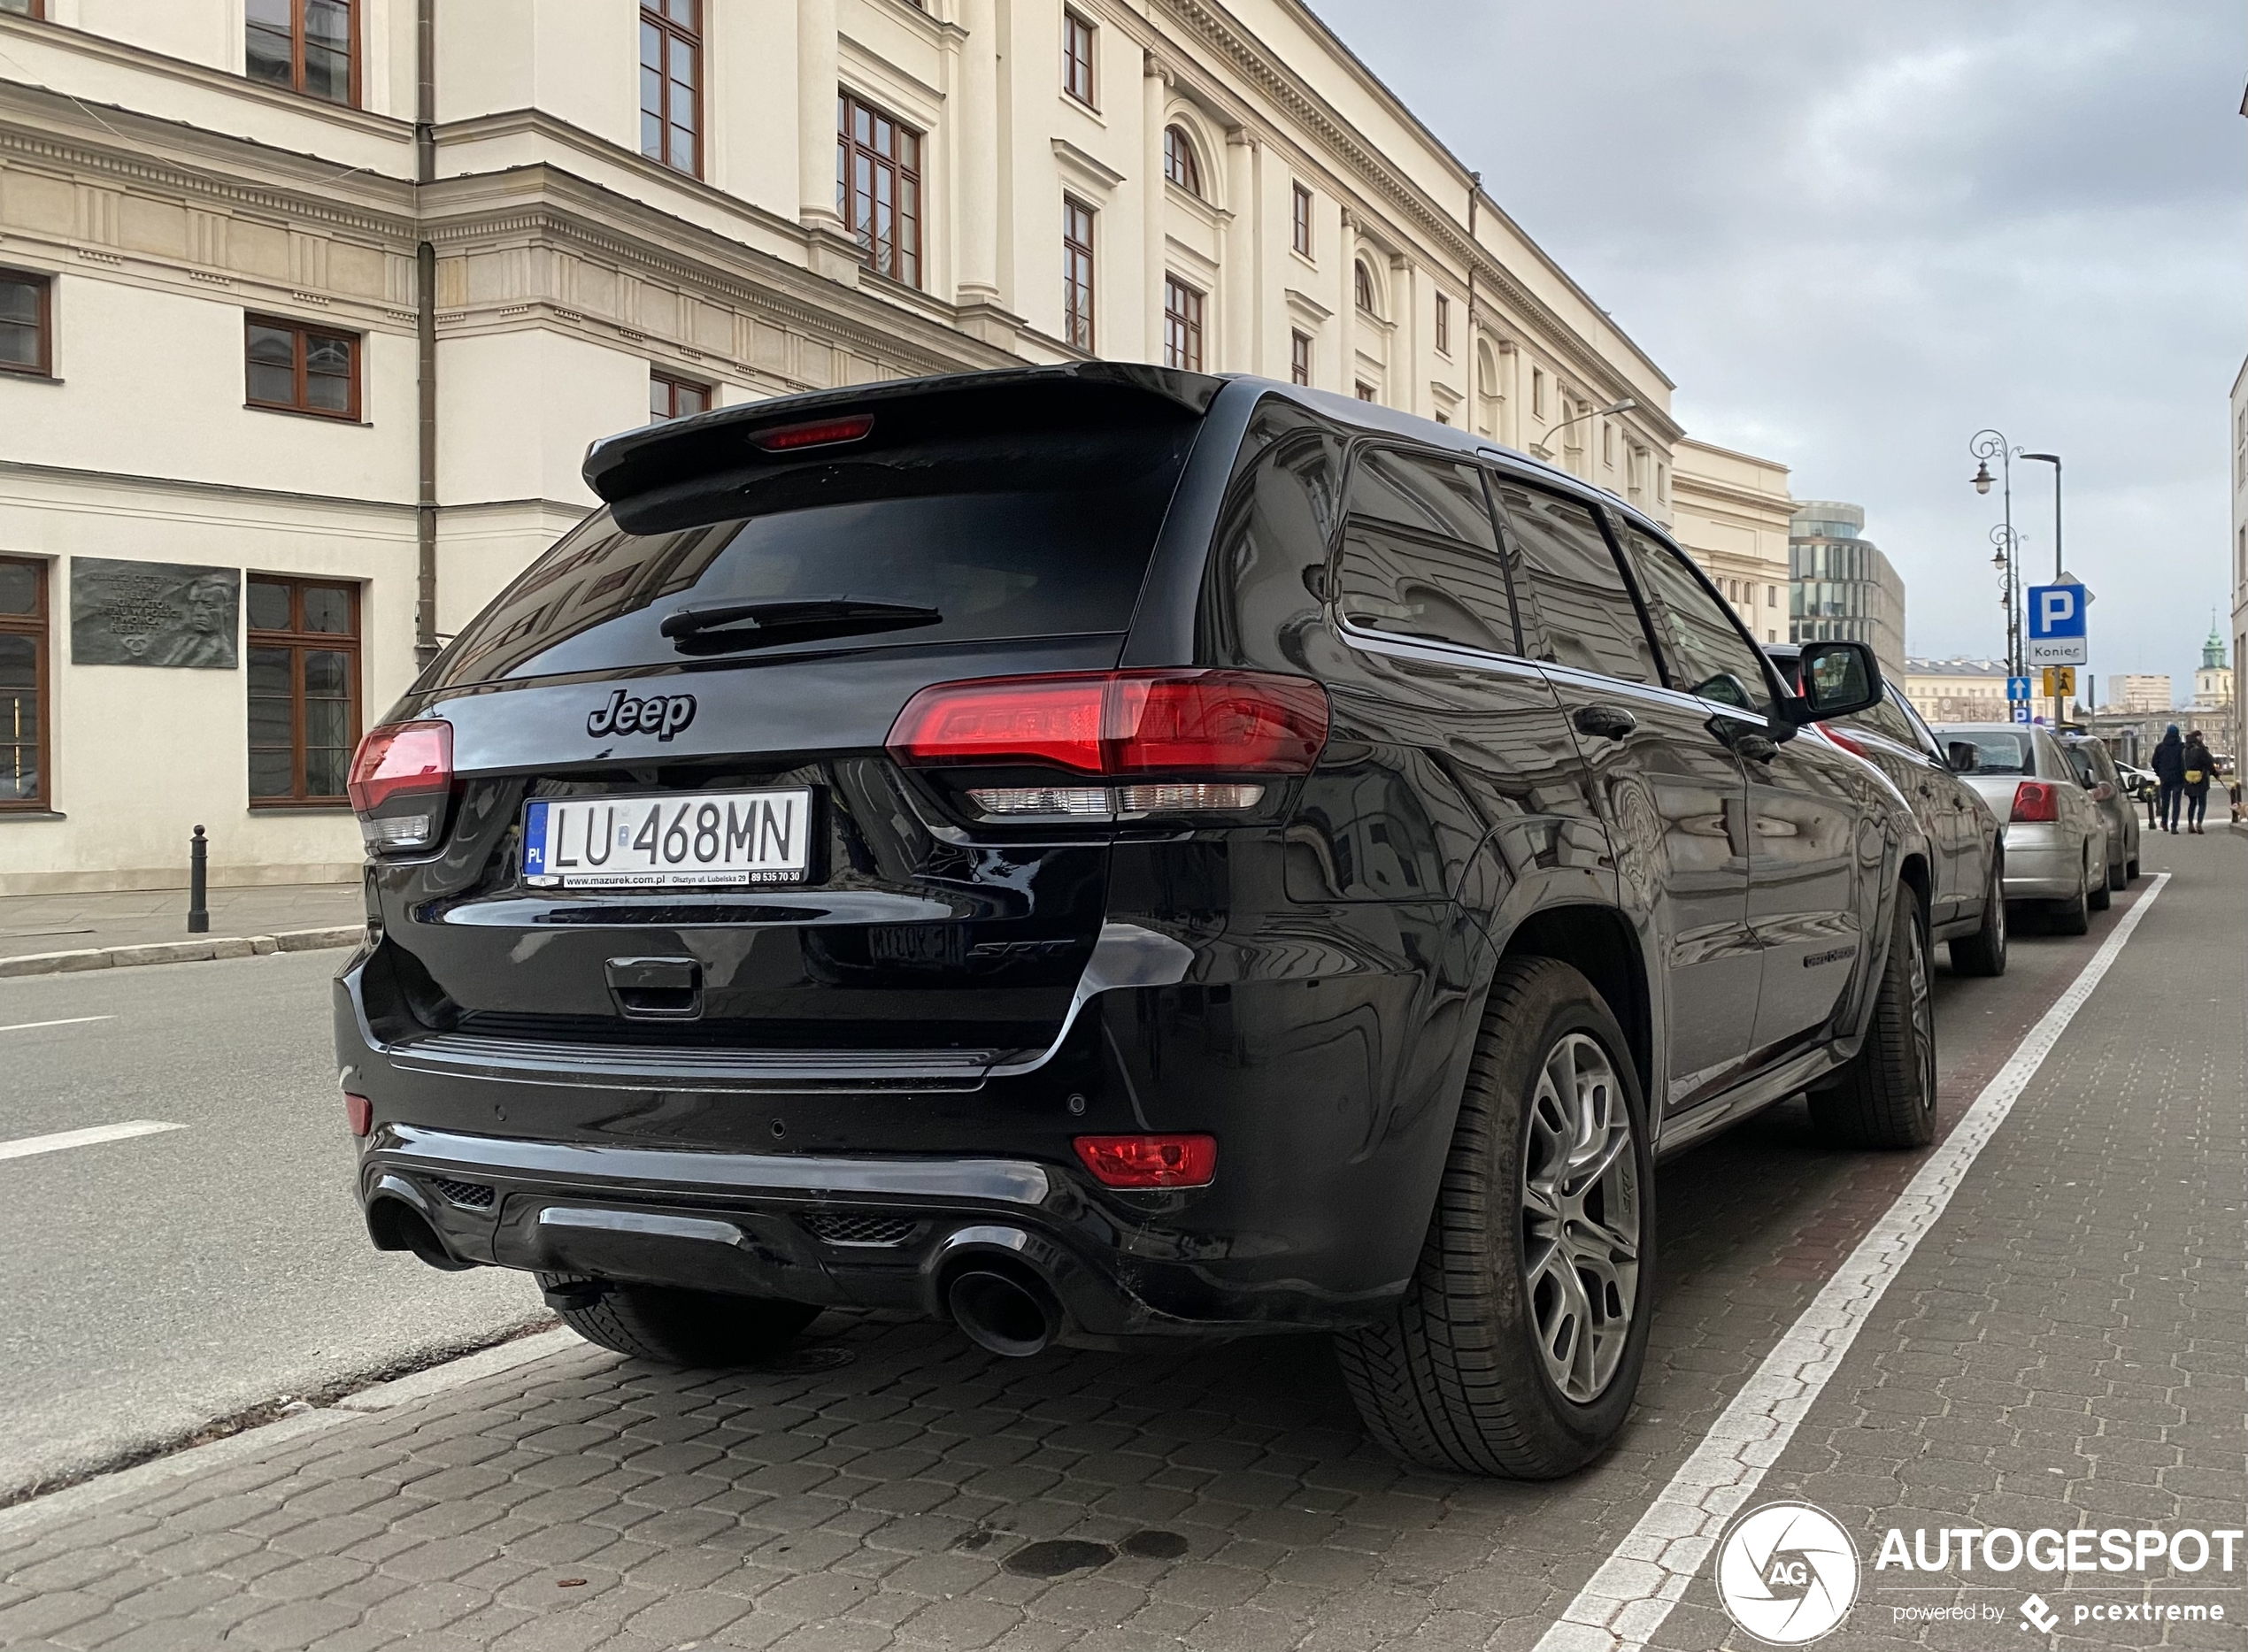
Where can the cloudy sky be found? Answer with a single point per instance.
(1857, 235)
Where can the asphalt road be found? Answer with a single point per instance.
(154, 1283)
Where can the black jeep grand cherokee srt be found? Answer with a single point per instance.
(1098, 851)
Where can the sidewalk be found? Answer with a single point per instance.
(35, 924)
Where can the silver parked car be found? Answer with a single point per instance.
(2102, 779)
(2056, 837)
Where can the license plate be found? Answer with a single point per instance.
(714, 839)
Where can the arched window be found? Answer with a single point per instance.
(1486, 370)
(1179, 165)
(1362, 287)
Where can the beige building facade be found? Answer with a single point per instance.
(2143, 692)
(1731, 513)
(304, 328)
(1958, 690)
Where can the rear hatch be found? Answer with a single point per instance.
(672, 820)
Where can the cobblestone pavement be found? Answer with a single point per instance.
(889, 1485)
(67, 923)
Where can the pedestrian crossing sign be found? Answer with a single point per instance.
(2060, 681)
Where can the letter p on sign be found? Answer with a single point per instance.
(2056, 607)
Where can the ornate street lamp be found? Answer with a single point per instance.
(1988, 445)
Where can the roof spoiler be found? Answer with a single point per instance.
(660, 458)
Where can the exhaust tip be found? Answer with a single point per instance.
(1003, 1313)
(397, 1226)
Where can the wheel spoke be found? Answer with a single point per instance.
(1580, 1217)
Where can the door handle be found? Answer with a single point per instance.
(1610, 722)
(1756, 747)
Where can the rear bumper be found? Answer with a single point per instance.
(2043, 863)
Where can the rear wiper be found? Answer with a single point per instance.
(722, 627)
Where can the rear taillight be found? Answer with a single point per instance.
(826, 433)
(1842, 740)
(1199, 731)
(358, 1114)
(1149, 1161)
(401, 777)
(2035, 801)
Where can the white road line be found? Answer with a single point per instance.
(24, 1147)
(1628, 1599)
(68, 1020)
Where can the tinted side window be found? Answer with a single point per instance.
(1709, 656)
(1419, 556)
(1265, 582)
(1889, 723)
(1574, 585)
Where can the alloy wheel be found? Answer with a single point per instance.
(1920, 989)
(1580, 1218)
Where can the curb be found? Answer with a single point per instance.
(194, 952)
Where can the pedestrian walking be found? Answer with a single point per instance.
(2200, 769)
(2168, 764)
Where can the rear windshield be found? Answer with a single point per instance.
(1998, 751)
(1027, 550)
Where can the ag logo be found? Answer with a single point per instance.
(662, 715)
(1787, 1573)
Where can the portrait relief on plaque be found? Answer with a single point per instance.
(153, 613)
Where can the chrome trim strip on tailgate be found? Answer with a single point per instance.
(533, 1061)
(626, 1171)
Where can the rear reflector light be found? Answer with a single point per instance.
(1047, 802)
(358, 1112)
(2035, 801)
(1149, 1161)
(826, 433)
(395, 766)
(1113, 802)
(1120, 723)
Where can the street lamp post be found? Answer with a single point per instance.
(2053, 459)
(1986, 446)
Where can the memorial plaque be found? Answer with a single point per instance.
(153, 613)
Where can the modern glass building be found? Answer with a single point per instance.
(1842, 587)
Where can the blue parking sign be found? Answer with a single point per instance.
(2057, 625)
(2020, 711)
(2017, 687)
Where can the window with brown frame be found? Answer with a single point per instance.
(878, 187)
(1181, 326)
(303, 689)
(1362, 287)
(1179, 165)
(298, 369)
(308, 46)
(1443, 324)
(670, 396)
(1301, 226)
(1077, 58)
(24, 8)
(26, 324)
(23, 684)
(671, 83)
(1077, 272)
(1300, 357)
(1364, 391)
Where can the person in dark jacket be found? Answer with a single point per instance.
(2168, 764)
(2200, 769)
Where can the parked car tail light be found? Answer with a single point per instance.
(1149, 1161)
(826, 433)
(358, 1113)
(401, 777)
(1193, 734)
(2035, 801)
(1842, 740)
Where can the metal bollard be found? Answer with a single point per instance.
(198, 857)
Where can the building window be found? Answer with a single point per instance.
(1077, 273)
(1771, 596)
(671, 84)
(1300, 357)
(1364, 391)
(670, 397)
(309, 46)
(878, 189)
(1181, 326)
(1443, 325)
(303, 689)
(23, 683)
(303, 370)
(26, 330)
(1362, 287)
(1077, 58)
(1301, 230)
(1179, 165)
(24, 8)
(1537, 392)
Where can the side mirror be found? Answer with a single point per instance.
(1962, 757)
(1838, 679)
(2102, 792)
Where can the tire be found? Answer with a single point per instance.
(1887, 1096)
(679, 1327)
(2099, 896)
(1984, 952)
(1461, 1375)
(2132, 871)
(2073, 917)
(2119, 875)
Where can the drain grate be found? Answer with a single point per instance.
(866, 1231)
(475, 1194)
